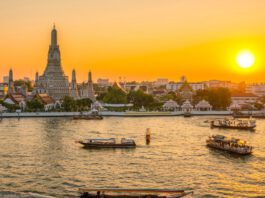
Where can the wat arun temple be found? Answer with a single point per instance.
(55, 83)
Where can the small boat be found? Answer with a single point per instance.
(234, 123)
(232, 145)
(108, 143)
(132, 193)
(187, 114)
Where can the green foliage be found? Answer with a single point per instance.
(115, 96)
(83, 104)
(69, 104)
(101, 96)
(139, 98)
(34, 105)
(23, 82)
(219, 98)
(10, 107)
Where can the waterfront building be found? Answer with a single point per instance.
(187, 106)
(203, 105)
(171, 105)
(53, 81)
(47, 101)
(16, 99)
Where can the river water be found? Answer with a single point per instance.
(40, 155)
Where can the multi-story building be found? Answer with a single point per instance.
(176, 86)
(161, 82)
(257, 89)
(103, 82)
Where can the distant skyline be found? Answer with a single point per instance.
(136, 39)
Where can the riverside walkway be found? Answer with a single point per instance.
(112, 113)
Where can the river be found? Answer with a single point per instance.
(40, 155)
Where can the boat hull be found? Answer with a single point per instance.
(229, 149)
(93, 145)
(233, 127)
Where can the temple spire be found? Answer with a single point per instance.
(11, 88)
(54, 37)
(89, 77)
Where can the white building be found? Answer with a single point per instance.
(161, 82)
(242, 99)
(219, 83)
(203, 105)
(176, 86)
(257, 89)
(170, 105)
(103, 82)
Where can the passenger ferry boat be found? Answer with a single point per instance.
(234, 123)
(229, 144)
(132, 193)
(108, 143)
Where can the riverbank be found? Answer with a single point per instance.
(121, 114)
(114, 114)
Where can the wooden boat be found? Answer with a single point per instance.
(131, 193)
(108, 143)
(234, 123)
(229, 144)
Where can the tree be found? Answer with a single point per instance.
(219, 98)
(23, 82)
(69, 103)
(139, 98)
(115, 96)
(34, 105)
(83, 104)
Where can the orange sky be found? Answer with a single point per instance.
(135, 39)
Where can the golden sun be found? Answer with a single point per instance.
(245, 59)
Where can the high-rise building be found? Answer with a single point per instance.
(53, 81)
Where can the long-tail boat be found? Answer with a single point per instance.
(132, 193)
(108, 143)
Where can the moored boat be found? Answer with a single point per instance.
(108, 143)
(132, 193)
(229, 144)
(234, 123)
(187, 114)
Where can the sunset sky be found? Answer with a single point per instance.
(135, 39)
